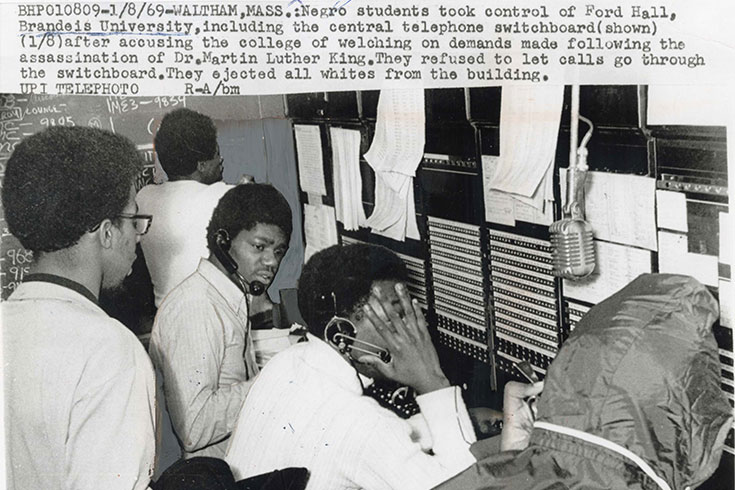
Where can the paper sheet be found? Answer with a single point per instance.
(505, 208)
(395, 153)
(530, 214)
(621, 208)
(538, 208)
(309, 155)
(671, 105)
(726, 239)
(617, 265)
(674, 258)
(671, 210)
(398, 144)
(346, 177)
(726, 292)
(529, 128)
(320, 228)
(394, 215)
(499, 206)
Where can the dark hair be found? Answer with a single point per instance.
(347, 271)
(246, 205)
(62, 182)
(185, 138)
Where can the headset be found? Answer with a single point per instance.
(340, 332)
(223, 242)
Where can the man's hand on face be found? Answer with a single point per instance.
(518, 415)
(414, 361)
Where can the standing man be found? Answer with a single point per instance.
(186, 145)
(79, 387)
(200, 340)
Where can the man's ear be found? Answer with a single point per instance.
(202, 166)
(104, 233)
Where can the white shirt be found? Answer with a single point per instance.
(177, 238)
(80, 394)
(306, 409)
(199, 342)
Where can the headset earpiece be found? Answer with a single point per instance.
(337, 332)
(342, 334)
(222, 239)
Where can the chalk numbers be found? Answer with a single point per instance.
(57, 121)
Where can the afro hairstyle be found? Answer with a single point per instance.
(347, 271)
(183, 139)
(246, 205)
(62, 182)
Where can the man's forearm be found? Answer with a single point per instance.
(210, 416)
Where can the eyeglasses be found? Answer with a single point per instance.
(218, 158)
(141, 222)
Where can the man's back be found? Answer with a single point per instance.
(79, 394)
(177, 239)
(306, 409)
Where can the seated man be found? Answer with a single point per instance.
(632, 399)
(79, 387)
(307, 407)
(201, 340)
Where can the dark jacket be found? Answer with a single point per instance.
(640, 370)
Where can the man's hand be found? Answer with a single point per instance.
(413, 358)
(517, 415)
(486, 421)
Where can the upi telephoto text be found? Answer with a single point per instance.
(142, 48)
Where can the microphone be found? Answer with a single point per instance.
(573, 250)
(340, 332)
(572, 244)
(256, 288)
(221, 252)
(347, 343)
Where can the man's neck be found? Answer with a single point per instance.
(195, 176)
(59, 264)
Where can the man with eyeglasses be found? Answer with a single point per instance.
(186, 146)
(79, 386)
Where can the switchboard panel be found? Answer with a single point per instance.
(574, 311)
(524, 292)
(723, 335)
(455, 258)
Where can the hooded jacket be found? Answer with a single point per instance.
(642, 371)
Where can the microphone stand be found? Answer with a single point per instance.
(573, 252)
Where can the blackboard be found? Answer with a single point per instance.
(134, 117)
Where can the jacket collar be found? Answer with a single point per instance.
(64, 282)
(41, 288)
(234, 297)
(330, 365)
(604, 444)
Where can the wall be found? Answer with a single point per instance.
(486, 285)
(134, 117)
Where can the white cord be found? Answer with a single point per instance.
(600, 441)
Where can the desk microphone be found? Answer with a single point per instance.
(221, 251)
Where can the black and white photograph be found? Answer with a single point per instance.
(293, 245)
